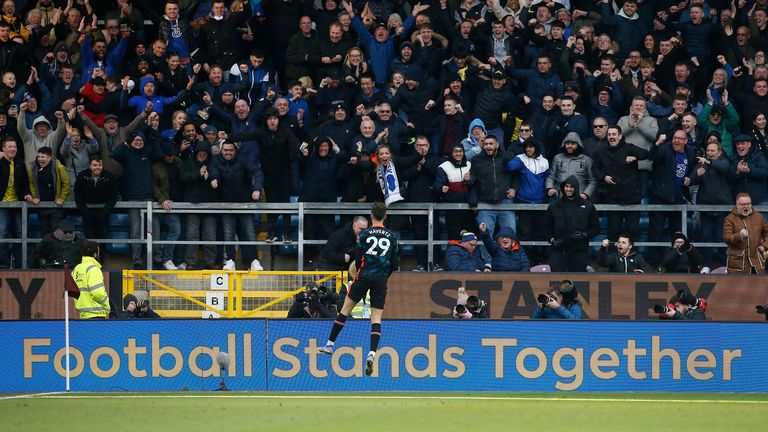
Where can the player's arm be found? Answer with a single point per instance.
(359, 252)
(395, 259)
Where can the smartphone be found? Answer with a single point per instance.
(303, 146)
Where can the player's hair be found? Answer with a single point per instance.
(379, 211)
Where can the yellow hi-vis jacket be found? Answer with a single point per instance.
(93, 301)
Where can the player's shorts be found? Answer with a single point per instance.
(377, 287)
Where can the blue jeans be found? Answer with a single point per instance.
(491, 218)
(10, 227)
(166, 227)
(240, 224)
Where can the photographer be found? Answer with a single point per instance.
(134, 310)
(559, 303)
(683, 306)
(469, 306)
(316, 301)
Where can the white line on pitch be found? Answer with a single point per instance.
(500, 398)
(31, 395)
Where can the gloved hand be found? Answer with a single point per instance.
(557, 243)
(578, 235)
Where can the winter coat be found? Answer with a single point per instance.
(320, 175)
(76, 160)
(421, 178)
(33, 142)
(643, 135)
(451, 173)
(742, 254)
(623, 264)
(238, 178)
(566, 165)
(513, 260)
(715, 184)
(534, 172)
(380, 54)
(340, 242)
(61, 180)
(113, 58)
(137, 184)
(666, 169)
(612, 161)
(490, 177)
(458, 258)
(754, 181)
(472, 147)
(220, 38)
(139, 102)
(107, 143)
(197, 189)
(538, 83)
(566, 217)
(628, 31)
(175, 33)
(276, 148)
(687, 259)
(95, 191)
(20, 178)
(728, 126)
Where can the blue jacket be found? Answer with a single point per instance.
(571, 312)
(513, 260)
(539, 83)
(458, 258)
(112, 60)
(628, 33)
(533, 175)
(380, 54)
(665, 168)
(158, 102)
(137, 184)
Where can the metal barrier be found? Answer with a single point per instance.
(225, 294)
(301, 209)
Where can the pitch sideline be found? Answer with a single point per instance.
(62, 395)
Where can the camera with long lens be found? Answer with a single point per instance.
(762, 309)
(144, 304)
(545, 298)
(662, 309)
(461, 309)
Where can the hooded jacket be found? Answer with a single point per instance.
(137, 164)
(572, 220)
(197, 189)
(578, 165)
(320, 173)
(490, 177)
(451, 173)
(33, 142)
(472, 147)
(687, 259)
(139, 102)
(380, 54)
(513, 259)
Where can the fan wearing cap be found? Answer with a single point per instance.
(331, 94)
(406, 60)
(682, 257)
(417, 98)
(723, 119)
(494, 102)
(462, 255)
(607, 105)
(560, 302)
(60, 247)
(340, 127)
(380, 46)
(507, 254)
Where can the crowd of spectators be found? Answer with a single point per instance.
(570, 102)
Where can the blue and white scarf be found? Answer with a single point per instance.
(390, 187)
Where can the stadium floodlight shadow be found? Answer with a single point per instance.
(222, 358)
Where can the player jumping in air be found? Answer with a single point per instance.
(376, 255)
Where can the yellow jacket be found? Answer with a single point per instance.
(93, 301)
(60, 178)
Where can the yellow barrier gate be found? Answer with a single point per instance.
(223, 294)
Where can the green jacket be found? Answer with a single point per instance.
(61, 180)
(728, 125)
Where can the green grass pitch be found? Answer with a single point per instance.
(369, 412)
